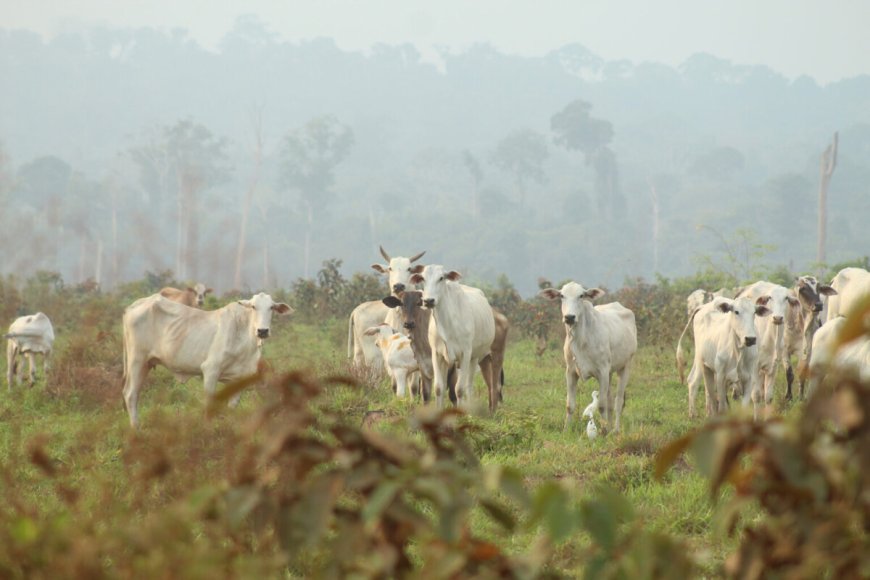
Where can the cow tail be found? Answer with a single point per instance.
(681, 360)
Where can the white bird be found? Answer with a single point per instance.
(591, 429)
(589, 411)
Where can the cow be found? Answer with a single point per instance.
(194, 297)
(399, 274)
(28, 336)
(852, 357)
(415, 320)
(850, 284)
(599, 340)
(772, 351)
(399, 359)
(725, 351)
(461, 331)
(221, 345)
(805, 324)
(361, 348)
(697, 299)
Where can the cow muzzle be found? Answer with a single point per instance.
(777, 320)
(398, 288)
(570, 319)
(410, 325)
(817, 307)
(749, 341)
(262, 333)
(429, 303)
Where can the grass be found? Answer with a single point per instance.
(83, 431)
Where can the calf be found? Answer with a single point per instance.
(599, 340)
(399, 272)
(361, 348)
(809, 293)
(193, 297)
(398, 355)
(725, 339)
(697, 299)
(28, 336)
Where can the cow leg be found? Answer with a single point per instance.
(789, 377)
(710, 398)
(452, 379)
(620, 393)
(400, 379)
(31, 368)
(465, 383)
(134, 378)
(11, 363)
(491, 386)
(439, 370)
(571, 377)
(721, 393)
(605, 402)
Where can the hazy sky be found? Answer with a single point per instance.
(827, 40)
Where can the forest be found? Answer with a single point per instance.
(131, 150)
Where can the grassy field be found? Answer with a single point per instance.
(70, 451)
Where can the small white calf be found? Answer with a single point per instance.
(398, 356)
(599, 340)
(360, 347)
(28, 336)
(193, 297)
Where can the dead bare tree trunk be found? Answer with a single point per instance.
(249, 198)
(655, 225)
(826, 170)
(307, 258)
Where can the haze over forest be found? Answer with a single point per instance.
(125, 150)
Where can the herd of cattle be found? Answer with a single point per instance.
(436, 335)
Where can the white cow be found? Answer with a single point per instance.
(772, 351)
(221, 345)
(361, 348)
(851, 284)
(27, 336)
(398, 270)
(852, 357)
(725, 352)
(398, 355)
(599, 341)
(697, 299)
(189, 296)
(461, 330)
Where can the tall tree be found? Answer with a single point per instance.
(309, 156)
(257, 122)
(577, 130)
(826, 170)
(184, 159)
(522, 154)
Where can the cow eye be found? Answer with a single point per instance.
(441, 279)
(736, 313)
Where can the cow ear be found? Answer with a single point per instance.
(418, 269)
(593, 293)
(725, 307)
(793, 302)
(762, 300)
(827, 290)
(391, 301)
(550, 293)
(207, 290)
(761, 310)
(189, 289)
(417, 279)
(380, 268)
(245, 303)
(371, 331)
(453, 275)
(282, 308)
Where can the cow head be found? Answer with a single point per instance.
(399, 270)
(810, 292)
(199, 291)
(434, 279)
(742, 317)
(779, 300)
(412, 308)
(263, 307)
(575, 298)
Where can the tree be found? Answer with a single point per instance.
(249, 197)
(309, 157)
(184, 159)
(522, 154)
(577, 130)
(826, 170)
(473, 166)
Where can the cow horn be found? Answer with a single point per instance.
(418, 256)
(384, 253)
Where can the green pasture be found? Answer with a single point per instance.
(82, 431)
